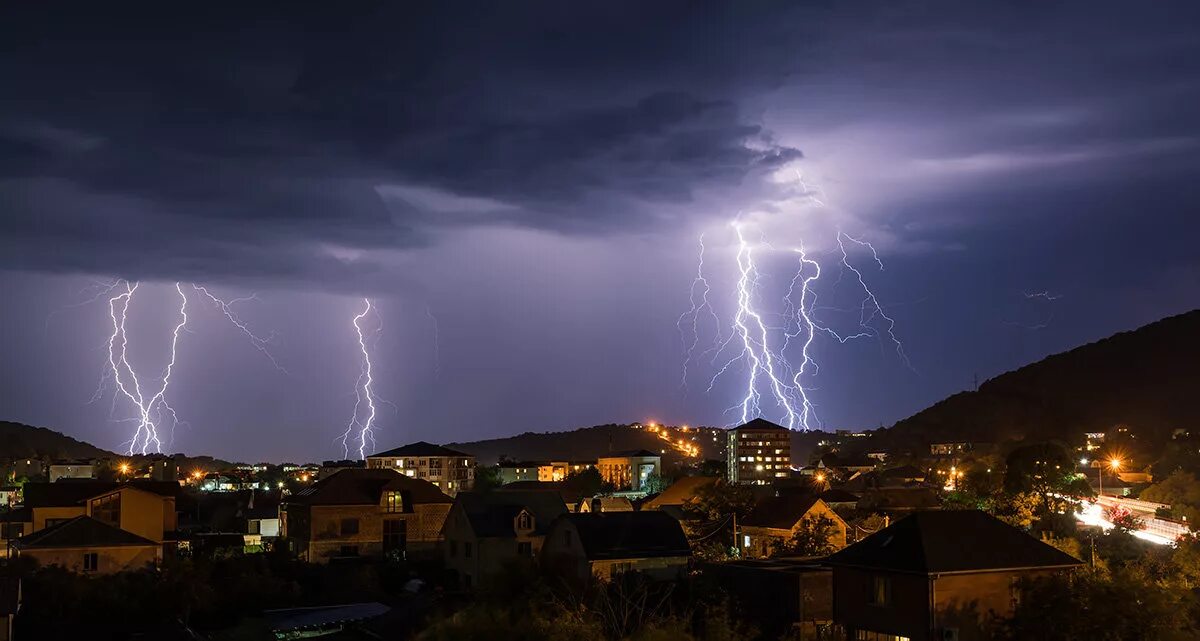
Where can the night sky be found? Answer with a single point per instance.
(536, 177)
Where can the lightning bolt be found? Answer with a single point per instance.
(226, 308)
(869, 301)
(151, 408)
(363, 418)
(698, 297)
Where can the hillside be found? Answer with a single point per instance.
(25, 441)
(1148, 378)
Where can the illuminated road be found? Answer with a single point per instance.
(1156, 530)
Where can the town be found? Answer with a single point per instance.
(850, 540)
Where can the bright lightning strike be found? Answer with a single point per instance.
(152, 408)
(698, 297)
(362, 420)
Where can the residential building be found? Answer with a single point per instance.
(89, 545)
(785, 598)
(559, 470)
(450, 470)
(629, 470)
(486, 531)
(146, 508)
(673, 498)
(758, 452)
(937, 575)
(364, 513)
(607, 544)
(512, 472)
(71, 470)
(775, 520)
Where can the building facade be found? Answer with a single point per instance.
(486, 532)
(450, 470)
(629, 470)
(775, 520)
(364, 513)
(606, 545)
(759, 452)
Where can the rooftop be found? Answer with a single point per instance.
(491, 514)
(951, 541)
(760, 424)
(81, 531)
(626, 535)
(420, 448)
(780, 512)
(361, 486)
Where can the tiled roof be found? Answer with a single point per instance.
(81, 531)
(360, 486)
(420, 448)
(760, 424)
(491, 514)
(629, 535)
(951, 541)
(780, 512)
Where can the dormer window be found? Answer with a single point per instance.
(392, 501)
(525, 521)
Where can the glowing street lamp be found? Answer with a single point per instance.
(124, 468)
(1115, 464)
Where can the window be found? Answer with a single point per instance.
(525, 521)
(524, 548)
(395, 535)
(393, 502)
(881, 591)
(467, 549)
(349, 527)
(254, 526)
(91, 562)
(107, 509)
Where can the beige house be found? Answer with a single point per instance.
(775, 520)
(88, 545)
(450, 470)
(630, 469)
(486, 532)
(364, 512)
(607, 544)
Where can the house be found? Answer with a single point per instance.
(10, 495)
(949, 449)
(484, 532)
(513, 471)
(361, 512)
(10, 604)
(672, 499)
(146, 508)
(607, 544)
(937, 575)
(71, 470)
(903, 475)
(89, 545)
(758, 452)
(774, 520)
(450, 470)
(629, 470)
(262, 515)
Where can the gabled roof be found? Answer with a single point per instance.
(760, 424)
(680, 491)
(68, 493)
(491, 514)
(420, 448)
(780, 512)
(361, 486)
(951, 541)
(569, 495)
(629, 535)
(81, 531)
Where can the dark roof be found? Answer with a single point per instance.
(60, 494)
(625, 453)
(491, 514)
(951, 541)
(420, 448)
(780, 512)
(760, 424)
(904, 472)
(361, 486)
(629, 535)
(899, 498)
(570, 495)
(837, 495)
(81, 531)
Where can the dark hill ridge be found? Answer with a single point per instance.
(24, 441)
(1148, 378)
(577, 445)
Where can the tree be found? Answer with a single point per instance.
(814, 536)
(487, 477)
(587, 482)
(719, 500)
(1181, 491)
(1039, 469)
(1017, 509)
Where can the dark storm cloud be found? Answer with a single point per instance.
(159, 145)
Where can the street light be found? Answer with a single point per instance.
(1115, 464)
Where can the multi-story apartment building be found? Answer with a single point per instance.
(450, 470)
(758, 452)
